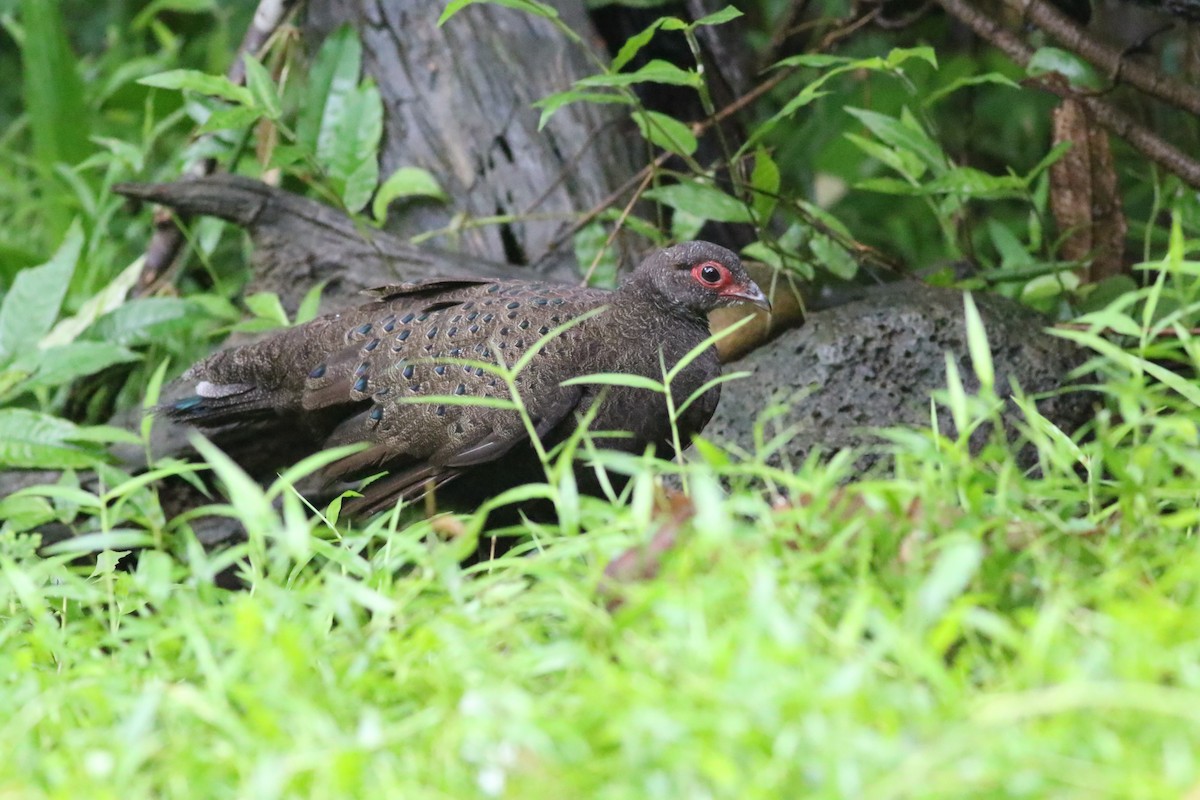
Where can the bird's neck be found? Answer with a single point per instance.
(638, 294)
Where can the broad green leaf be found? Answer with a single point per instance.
(354, 159)
(903, 133)
(32, 440)
(590, 249)
(666, 132)
(96, 306)
(703, 201)
(142, 321)
(974, 183)
(764, 180)
(656, 71)
(1079, 73)
(554, 102)
(60, 365)
(832, 256)
(406, 182)
(726, 14)
(971, 80)
(233, 118)
(634, 44)
(52, 88)
(262, 88)
(311, 304)
(201, 82)
(31, 305)
(902, 161)
(334, 75)
(267, 306)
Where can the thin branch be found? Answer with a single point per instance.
(1108, 58)
(1149, 144)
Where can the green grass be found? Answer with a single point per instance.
(964, 628)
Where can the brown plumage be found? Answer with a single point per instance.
(364, 376)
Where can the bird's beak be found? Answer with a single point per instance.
(750, 293)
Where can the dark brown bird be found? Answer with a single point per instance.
(387, 373)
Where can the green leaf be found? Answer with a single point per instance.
(764, 180)
(144, 320)
(31, 305)
(726, 14)
(832, 256)
(262, 88)
(554, 102)
(353, 162)
(201, 82)
(233, 118)
(267, 306)
(589, 244)
(656, 71)
(971, 80)
(32, 440)
(406, 182)
(1079, 73)
(60, 365)
(702, 201)
(528, 6)
(903, 133)
(333, 77)
(311, 304)
(666, 132)
(59, 118)
(634, 44)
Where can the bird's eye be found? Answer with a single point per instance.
(709, 273)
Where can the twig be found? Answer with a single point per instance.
(1139, 137)
(1110, 59)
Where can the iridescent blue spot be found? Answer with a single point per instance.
(471, 317)
(451, 332)
(361, 369)
(543, 330)
(456, 352)
(524, 325)
(440, 411)
(360, 385)
(558, 301)
(460, 389)
(423, 317)
(479, 371)
(513, 304)
(495, 287)
(432, 332)
(473, 329)
(402, 335)
(488, 317)
(540, 301)
(377, 413)
(363, 329)
(407, 318)
(440, 369)
(318, 372)
(408, 372)
(505, 331)
(371, 345)
(512, 315)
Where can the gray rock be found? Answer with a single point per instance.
(875, 362)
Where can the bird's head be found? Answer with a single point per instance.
(695, 278)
